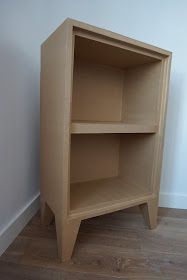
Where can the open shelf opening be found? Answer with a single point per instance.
(114, 85)
(107, 170)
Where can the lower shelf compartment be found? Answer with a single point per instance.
(89, 199)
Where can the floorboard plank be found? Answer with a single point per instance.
(113, 246)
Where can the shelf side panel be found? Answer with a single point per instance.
(55, 117)
(142, 93)
(136, 159)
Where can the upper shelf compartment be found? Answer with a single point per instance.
(113, 83)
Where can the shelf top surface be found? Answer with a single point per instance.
(90, 198)
(112, 127)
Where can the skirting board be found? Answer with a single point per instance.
(173, 200)
(168, 200)
(16, 225)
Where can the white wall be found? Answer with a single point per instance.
(23, 27)
(162, 23)
(20, 37)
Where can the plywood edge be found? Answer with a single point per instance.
(88, 127)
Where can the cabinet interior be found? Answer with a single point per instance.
(112, 85)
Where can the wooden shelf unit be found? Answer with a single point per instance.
(103, 104)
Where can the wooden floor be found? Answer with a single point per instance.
(114, 246)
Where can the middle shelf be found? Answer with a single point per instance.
(83, 127)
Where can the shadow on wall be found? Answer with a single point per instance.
(19, 129)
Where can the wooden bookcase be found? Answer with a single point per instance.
(103, 103)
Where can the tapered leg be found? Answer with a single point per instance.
(150, 212)
(66, 237)
(46, 214)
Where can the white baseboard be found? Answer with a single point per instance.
(15, 226)
(173, 200)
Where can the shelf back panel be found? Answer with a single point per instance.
(97, 92)
(107, 94)
(94, 157)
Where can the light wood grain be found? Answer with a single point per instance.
(66, 236)
(108, 52)
(94, 157)
(46, 213)
(136, 156)
(103, 196)
(56, 78)
(97, 92)
(111, 127)
(103, 107)
(150, 210)
(141, 100)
